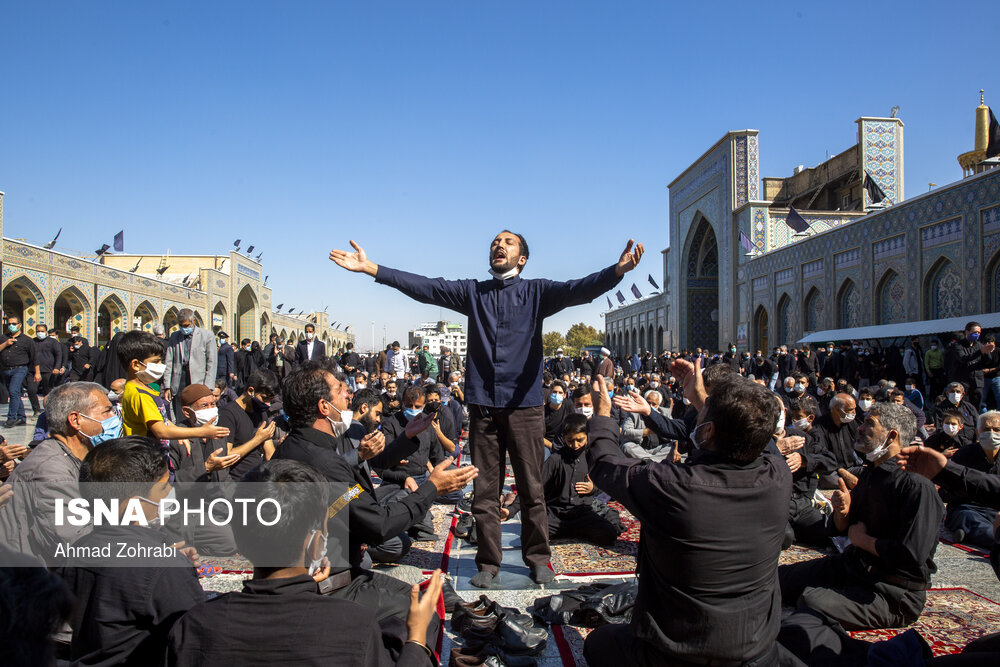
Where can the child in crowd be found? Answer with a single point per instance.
(950, 436)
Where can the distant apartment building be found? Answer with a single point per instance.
(440, 334)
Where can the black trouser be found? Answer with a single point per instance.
(583, 523)
(806, 524)
(389, 598)
(493, 434)
(616, 645)
(836, 588)
(36, 389)
(982, 652)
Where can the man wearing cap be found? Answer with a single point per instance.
(503, 378)
(560, 365)
(607, 367)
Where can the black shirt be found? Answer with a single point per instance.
(708, 551)
(554, 418)
(123, 614)
(902, 511)
(48, 354)
(838, 441)
(560, 473)
(21, 353)
(282, 622)
(430, 450)
(973, 457)
(242, 428)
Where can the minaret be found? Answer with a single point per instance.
(971, 162)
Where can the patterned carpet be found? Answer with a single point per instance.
(427, 555)
(952, 618)
(571, 558)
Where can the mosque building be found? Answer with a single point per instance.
(117, 292)
(832, 252)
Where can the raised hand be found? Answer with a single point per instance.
(371, 445)
(602, 402)
(850, 478)
(422, 609)
(689, 377)
(630, 258)
(356, 261)
(922, 461)
(447, 481)
(634, 402)
(789, 444)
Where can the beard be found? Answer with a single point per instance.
(369, 423)
(503, 264)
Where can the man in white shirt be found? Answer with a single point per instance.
(310, 349)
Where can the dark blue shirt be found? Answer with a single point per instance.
(505, 326)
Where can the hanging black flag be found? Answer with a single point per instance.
(609, 303)
(237, 243)
(103, 249)
(993, 147)
(636, 292)
(746, 242)
(652, 282)
(120, 241)
(796, 221)
(875, 193)
(621, 299)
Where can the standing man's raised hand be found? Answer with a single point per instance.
(628, 261)
(356, 261)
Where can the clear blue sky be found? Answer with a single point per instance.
(421, 129)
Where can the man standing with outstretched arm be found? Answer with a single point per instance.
(503, 386)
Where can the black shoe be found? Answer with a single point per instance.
(473, 620)
(9, 423)
(21, 422)
(520, 639)
(541, 574)
(465, 504)
(451, 598)
(463, 526)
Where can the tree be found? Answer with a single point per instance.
(580, 335)
(551, 342)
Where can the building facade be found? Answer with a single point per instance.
(123, 292)
(438, 334)
(737, 272)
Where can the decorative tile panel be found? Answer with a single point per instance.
(760, 284)
(991, 219)
(812, 269)
(753, 178)
(892, 300)
(889, 248)
(740, 177)
(784, 277)
(941, 233)
(879, 139)
(847, 259)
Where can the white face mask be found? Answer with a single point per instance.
(821, 391)
(202, 417)
(849, 417)
(989, 441)
(309, 336)
(780, 426)
(909, 387)
(801, 424)
(955, 397)
(586, 412)
(692, 436)
(874, 454)
(950, 429)
(865, 404)
(340, 426)
(41, 335)
(113, 397)
(799, 388)
(506, 274)
(686, 401)
(152, 373)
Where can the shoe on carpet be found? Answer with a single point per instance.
(541, 574)
(473, 620)
(451, 598)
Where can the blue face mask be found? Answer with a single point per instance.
(412, 413)
(12, 328)
(111, 428)
(972, 336)
(187, 331)
(556, 399)
(611, 394)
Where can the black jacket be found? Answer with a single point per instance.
(711, 535)
(560, 473)
(48, 354)
(370, 523)
(123, 614)
(302, 351)
(282, 622)
(964, 362)
(972, 457)
(837, 441)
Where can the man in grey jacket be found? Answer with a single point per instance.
(191, 358)
(50, 471)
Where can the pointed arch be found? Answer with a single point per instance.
(812, 310)
(265, 326)
(198, 320)
(784, 324)
(943, 290)
(659, 341)
(71, 308)
(112, 318)
(170, 320)
(991, 280)
(890, 299)
(702, 286)
(21, 297)
(144, 317)
(220, 317)
(761, 329)
(848, 305)
(246, 314)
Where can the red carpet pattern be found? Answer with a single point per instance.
(577, 559)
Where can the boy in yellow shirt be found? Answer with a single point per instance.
(141, 354)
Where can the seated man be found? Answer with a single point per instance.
(251, 433)
(280, 617)
(650, 446)
(123, 614)
(315, 400)
(837, 432)
(891, 518)
(967, 520)
(572, 512)
(949, 436)
(712, 532)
